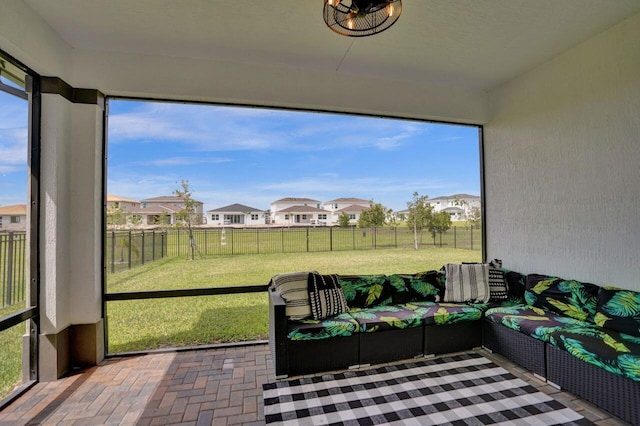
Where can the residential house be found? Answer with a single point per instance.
(236, 214)
(459, 206)
(352, 206)
(164, 210)
(293, 210)
(13, 218)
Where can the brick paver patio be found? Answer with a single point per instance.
(201, 387)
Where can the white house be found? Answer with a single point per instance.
(157, 210)
(13, 218)
(459, 206)
(292, 210)
(352, 206)
(236, 214)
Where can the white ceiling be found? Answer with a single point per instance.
(477, 44)
(438, 62)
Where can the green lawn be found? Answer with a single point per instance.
(157, 323)
(10, 358)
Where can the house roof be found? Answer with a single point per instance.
(453, 210)
(354, 208)
(302, 209)
(454, 196)
(348, 200)
(234, 208)
(114, 198)
(165, 200)
(14, 210)
(156, 209)
(295, 200)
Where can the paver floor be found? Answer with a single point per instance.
(201, 387)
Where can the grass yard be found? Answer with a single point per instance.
(10, 358)
(157, 323)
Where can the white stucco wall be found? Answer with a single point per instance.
(55, 306)
(562, 164)
(85, 214)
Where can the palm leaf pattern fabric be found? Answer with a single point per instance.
(619, 310)
(568, 297)
(340, 325)
(616, 352)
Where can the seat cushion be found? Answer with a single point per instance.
(340, 325)
(618, 353)
(446, 313)
(535, 322)
(390, 317)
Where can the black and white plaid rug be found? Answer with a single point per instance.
(465, 389)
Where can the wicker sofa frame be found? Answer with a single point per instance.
(614, 393)
(292, 358)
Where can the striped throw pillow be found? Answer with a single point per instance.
(293, 289)
(497, 284)
(466, 283)
(326, 296)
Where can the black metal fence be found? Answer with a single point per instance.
(13, 267)
(129, 248)
(231, 241)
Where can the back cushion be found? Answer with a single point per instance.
(362, 291)
(516, 282)
(293, 289)
(619, 310)
(567, 297)
(423, 286)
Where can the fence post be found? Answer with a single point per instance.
(9, 268)
(307, 229)
(455, 241)
(113, 252)
(142, 251)
(153, 245)
(331, 238)
(129, 260)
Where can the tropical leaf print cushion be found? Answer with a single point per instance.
(619, 310)
(568, 297)
(423, 286)
(362, 291)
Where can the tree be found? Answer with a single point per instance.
(420, 215)
(187, 215)
(440, 222)
(372, 217)
(344, 220)
(116, 216)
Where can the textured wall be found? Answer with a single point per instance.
(562, 164)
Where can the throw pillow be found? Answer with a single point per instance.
(466, 283)
(497, 285)
(325, 296)
(619, 310)
(293, 289)
(568, 297)
(516, 282)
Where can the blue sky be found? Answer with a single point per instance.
(13, 149)
(255, 156)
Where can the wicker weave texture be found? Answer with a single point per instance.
(517, 347)
(617, 394)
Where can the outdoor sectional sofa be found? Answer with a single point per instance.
(578, 336)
